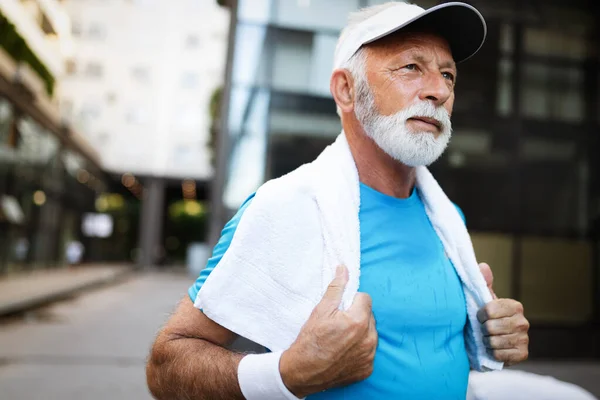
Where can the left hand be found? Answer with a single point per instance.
(504, 325)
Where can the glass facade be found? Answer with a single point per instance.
(523, 162)
(44, 188)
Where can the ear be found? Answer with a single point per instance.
(342, 89)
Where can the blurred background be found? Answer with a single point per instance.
(131, 130)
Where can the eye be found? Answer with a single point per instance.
(410, 67)
(448, 75)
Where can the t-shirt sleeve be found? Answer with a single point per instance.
(219, 249)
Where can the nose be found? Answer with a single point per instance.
(435, 89)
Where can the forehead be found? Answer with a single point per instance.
(414, 43)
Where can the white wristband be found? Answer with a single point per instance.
(260, 379)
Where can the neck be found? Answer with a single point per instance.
(376, 168)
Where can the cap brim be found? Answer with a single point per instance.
(459, 23)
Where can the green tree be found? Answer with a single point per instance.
(215, 119)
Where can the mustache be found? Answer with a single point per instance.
(427, 110)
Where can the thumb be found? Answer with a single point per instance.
(486, 271)
(333, 295)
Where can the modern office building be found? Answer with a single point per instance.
(522, 164)
(49, 174)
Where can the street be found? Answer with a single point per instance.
(94, 346)
(91, 347)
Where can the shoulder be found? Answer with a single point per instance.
(290, 192)
(278, 209)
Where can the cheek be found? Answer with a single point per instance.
(449, 104)
(395, 97)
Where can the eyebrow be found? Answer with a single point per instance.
(444, 64)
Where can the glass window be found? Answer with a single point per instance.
(136, 115)
(251, 57)
(36, 145)
(321, 63)
(190, 80)
(534, 149)
(96, 31)
(556, 42)
(248, 152)
(294, 123)
(597, 99)
(76, 28)
(141, 74)
(314, 14)
(6, 114)
(256, 11)
(552, 92)
(303, 115)
(101, 138)
(111, 97)
(286, 60)
(192, 41)
(187, 117)
(94, 70)
(504, 106)
(507, 40)
(71, 67)
(477, 177)
(90, 111)
(146, 3)
(421, 3)
(74, 165)
(291, 58)
(286, 153)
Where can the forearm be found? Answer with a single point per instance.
(190, 368)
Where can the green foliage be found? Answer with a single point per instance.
(215, 104)
(215, 113)
(187, 222)
(17, 48)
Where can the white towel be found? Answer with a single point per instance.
(294, 234)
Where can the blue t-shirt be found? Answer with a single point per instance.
(418, 302)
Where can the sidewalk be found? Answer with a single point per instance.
(23, 291)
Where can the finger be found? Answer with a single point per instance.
(333, 295)
(361, 307)
(486, 271)
(506, 326)
(505, 342)
(510, 356)
(372, 334)
(373, 330)
(499, 308)
(372, 322)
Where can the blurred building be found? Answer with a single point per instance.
(523, 162)
(49, 174)
(139, 84)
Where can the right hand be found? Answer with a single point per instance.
(334, 347)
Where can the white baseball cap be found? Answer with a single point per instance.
(459, 23)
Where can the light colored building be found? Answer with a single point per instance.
(140, 81)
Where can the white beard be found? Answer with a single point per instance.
(392, 135)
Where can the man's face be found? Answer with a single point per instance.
(406, 101)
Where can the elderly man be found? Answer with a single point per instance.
(397, 319)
